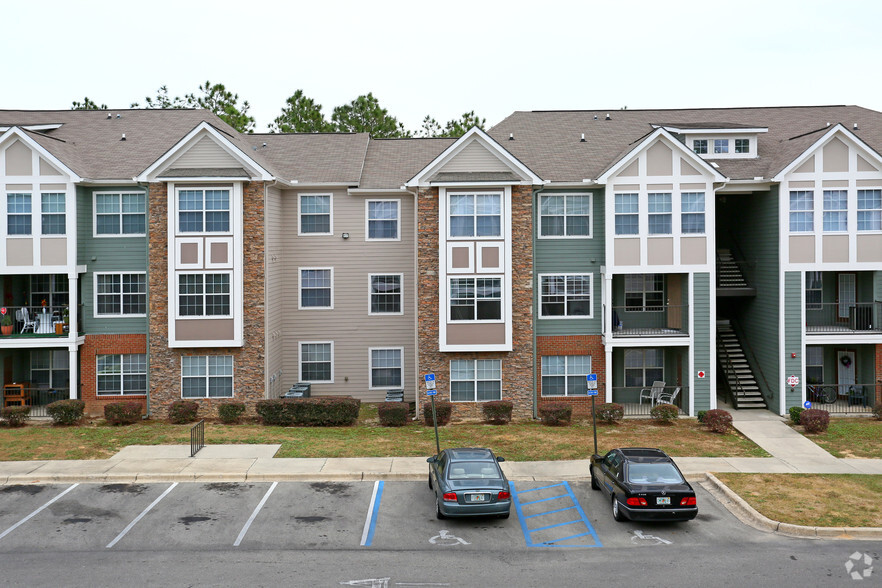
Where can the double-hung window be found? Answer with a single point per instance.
(207, 376)
(18, 214)
(627, 208)
(814, 290)
(660, 213)
(699, 146)
(475, 380)
(317, 362)
(53, 218)
(475, 299)
(869, 210)
(387, 368)
(802, 206)
(122, 213)
(385, 293)
(643, 367)
(692, 212)
(644, 292)
(567, 295)
(565, 375)
(565, 215)
(476, 215)
(315, 214)
(835, 210)
(383, 220)
(121, 374)
(204, 210)
(316, 288)
(204, 294)
(120, 294)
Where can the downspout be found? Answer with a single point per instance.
(146, 186)
(536, 192)
(416, 301)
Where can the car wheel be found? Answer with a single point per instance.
(438, 513)
(594, 484)
(617, 514)
(430, 481)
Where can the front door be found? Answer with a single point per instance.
(845, 369)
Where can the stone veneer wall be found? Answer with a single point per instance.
(95, 345)
(248, 360)
(574, 345)
(517, 365)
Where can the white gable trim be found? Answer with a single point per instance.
(22, 136)
(674, 143)
(191, 139)
(837, 129)
(474, 134)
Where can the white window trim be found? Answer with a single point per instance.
(370, 294)
(859, 210)
(177, 211)
(121, 375)
(367, 219)
(300, 345)
(502, 215)
(371, 367)
(178, 314)
(847, 212)
(615, 215)
(121, 314)
(207, 375)
(300, 306)
(119, 235)
(566, 376)
(330, 196)
(502, 299)
(565, 276)
(6, 213)
(590, 234)
(475, 380)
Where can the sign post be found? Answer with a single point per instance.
(592, 392)
(431, 392)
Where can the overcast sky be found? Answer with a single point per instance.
(446, 57)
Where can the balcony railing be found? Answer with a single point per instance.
(35, 398)
(39, 321)
(651, 321)
(630, 398)
(844, 398)
(836, 318)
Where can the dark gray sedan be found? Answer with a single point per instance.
(469, 482)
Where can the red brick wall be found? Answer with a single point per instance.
(95, 345)
(878, 372)
(573, 345)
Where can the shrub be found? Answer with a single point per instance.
(556, 414)
(230, 412)
(183, 411)
(610, 412)
(497, 412)
(15, 416)
(877, 411)
(443, 410)
(718, 420)
(392, 414)
(814, 420)
(66, 412)
(701, 414)
(122, 413)
(795, 412)
(664, 413)
(316, 411)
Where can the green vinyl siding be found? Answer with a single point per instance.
(106, 254)
(701, 388)
(793, 327)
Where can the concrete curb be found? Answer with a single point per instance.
(750, 516)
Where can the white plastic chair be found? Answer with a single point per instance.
(652, 393)
(668, 397)
(28, 322)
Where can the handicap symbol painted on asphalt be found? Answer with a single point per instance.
(640, 539)
(445, 538)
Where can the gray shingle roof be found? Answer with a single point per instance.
(392, 162)
(313, 157)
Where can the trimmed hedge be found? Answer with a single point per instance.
(610, 412)
(497, 412)
(443, 410)
(392, 414)
(15, 416)
(877, 411)
(230, 412)
(814, 420)
(183, 411)
(795, 412)
(316, 411)
(122, 413)
(665, 413)
(718, 420)
(556, 414)
(66, 412)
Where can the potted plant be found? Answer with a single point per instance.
(6, 324)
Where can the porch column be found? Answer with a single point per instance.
(608, 372)
(73, 318)
(73, 371)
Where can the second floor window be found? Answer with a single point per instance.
(475, 299)
(565, 215)
(385, 294)
(476, 215)
(120, 294)
(121, 214)
(565, 296)
(18, 214)
(204, 295)
(802, 216)
(204, 211)
(382, 219)
(627, 220)
(692, 212)
(315, 214)
(316, 288)
(835, 210)
(814, 290)
(660, 214)
(869, 210)
(52, 208)
(644, 292)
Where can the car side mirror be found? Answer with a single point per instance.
(500, 459)
(432, 459)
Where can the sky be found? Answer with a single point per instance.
(445, 58)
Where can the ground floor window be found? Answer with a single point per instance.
(565, 375)
(317, 362)
(814, 364)
(643, 367)
(475, 380)
(207, 376)
(122, 374)
(387, 368)
(50, 368)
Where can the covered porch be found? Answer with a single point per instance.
(35, 378)
(650, 305)
(645, 376)
(842, 378)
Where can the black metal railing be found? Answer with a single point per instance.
(37, 321)
(844, 398)
(37, 398)
(639, 400)
(197, 437)
(668, 320)
(734, 274)
(833, 317)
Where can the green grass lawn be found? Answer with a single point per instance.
(852, 437)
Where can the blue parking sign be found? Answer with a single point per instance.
(430, 381)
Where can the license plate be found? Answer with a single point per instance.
(663, 500)
(477, 498)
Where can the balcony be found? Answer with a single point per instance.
(35, 322)
(833, 318)
(668, 320)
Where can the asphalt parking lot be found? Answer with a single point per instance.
(329, 515)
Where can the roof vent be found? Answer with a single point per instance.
(828, 124)
(511, 136)
(118, 116)
(607, 116)
(595, 117)
(123, 137)
(582, 140)
(855, 127)
(109, 115)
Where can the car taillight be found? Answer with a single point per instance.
(449, 497)
(504, 496)
(636, 502)
(688, 501)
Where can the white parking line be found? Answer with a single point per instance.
(370, 521)
(35, 513)
(254, 514)
(141, 516)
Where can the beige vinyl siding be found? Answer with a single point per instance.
(205, 153)
(475, 158)
(275, 297)
(348, 324)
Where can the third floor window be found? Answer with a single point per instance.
(204, 210)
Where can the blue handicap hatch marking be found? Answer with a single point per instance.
(534, 507)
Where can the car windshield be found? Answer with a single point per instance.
(653, 473)
(472, 470)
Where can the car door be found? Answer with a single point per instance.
(612, 468)
(438, 469)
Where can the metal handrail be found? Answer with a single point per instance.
(197, 437)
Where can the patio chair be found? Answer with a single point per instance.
(668, 397)
(28, 322)
(652, 392)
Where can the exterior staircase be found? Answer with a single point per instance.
(739, 377)
(730, 276)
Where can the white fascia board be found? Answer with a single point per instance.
(191, 179)
(474, 134)
(745, 186)
(712, 130)
(224, 143)
(16, 131)
(37, 128)
(487, 184)
(838, 128)
(369, 191)
(106, 182)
